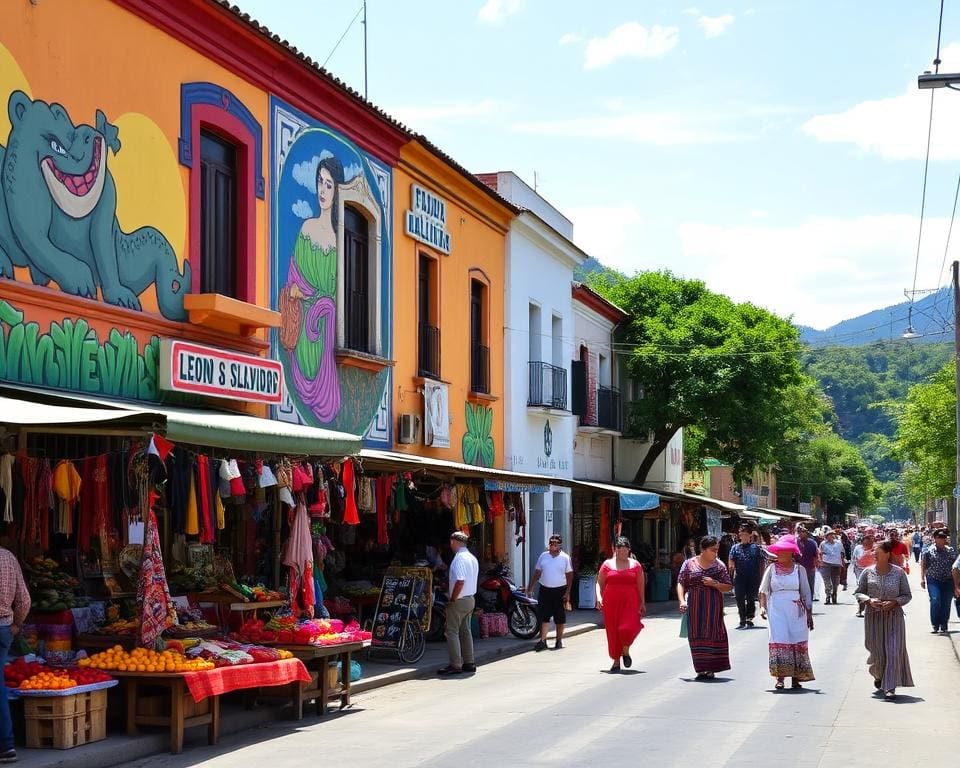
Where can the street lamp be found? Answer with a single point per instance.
(950, 80)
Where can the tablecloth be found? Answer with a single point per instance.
(213, 682)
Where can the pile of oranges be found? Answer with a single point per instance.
(49, 681)
(144, 660)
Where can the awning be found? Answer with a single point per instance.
(216, 429)
(696, 498)
(780, 514)
(760, 517)
(631, 499)
(24, 413)
(515, 482)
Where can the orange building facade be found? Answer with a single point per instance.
(449, 271)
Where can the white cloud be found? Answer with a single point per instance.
(638, 127)
(630, 40)
(569, 39)
(427, 118)
(821, 271)
(758, 213)
(495, 11)
(609, 233)
(714, 26)
(896, 127)
(302, 210)
(691, 11)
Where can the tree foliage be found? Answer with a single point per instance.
(726, 371)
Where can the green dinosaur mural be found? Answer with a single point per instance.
(58, 213)
(69, 355)
(477, 444)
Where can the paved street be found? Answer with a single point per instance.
(562, 708)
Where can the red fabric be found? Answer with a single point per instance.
(213, 682)
(621, 608)
(103, 514)
(384, 486)
(605, 527)
(204, 492)
(497, 508)
(85, 522)
(350, 515)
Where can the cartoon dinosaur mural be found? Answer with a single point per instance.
(58, 213)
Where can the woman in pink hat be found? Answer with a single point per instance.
(786, 603)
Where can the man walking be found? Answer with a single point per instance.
(14, 607)
(847, 554)
(464, 573)
(936, 576)
(745, 565)
(554, 574)
(809, 556)
(917, 540)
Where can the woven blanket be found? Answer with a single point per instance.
(213, 682)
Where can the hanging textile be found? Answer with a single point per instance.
(157, 611)
(221, 516)
(350, 516)
(86, 519)
(298, 557)
(205, 500)
(193, 517)
(365, 494)
(6, 485)
(384, 484)
(495, 502)
(66, 488)
(178, 489)
(103, 514)
(605, 527)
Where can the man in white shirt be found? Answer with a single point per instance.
(464, 573)
(554, 574)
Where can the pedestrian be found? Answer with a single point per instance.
(844, 539)
(936, 577)
(620, 595)
(689, 549)
(832, 562)
(917, 540)
(554, 574)
(955, 572)
(885, 590)
(863, 557)
(787, 605)
(809, 557)
(701, 585)
(462, 586)
(745, 564)
(899, 555)
(14, 607)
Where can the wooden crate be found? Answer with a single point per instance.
(64, 722)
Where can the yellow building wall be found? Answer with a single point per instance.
(478, 227)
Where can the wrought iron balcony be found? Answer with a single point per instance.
(428, 362)
(480, 368)
(609, 412)
(548, 386)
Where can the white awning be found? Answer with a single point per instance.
(780, 514)
(631, 499)
(24, 413)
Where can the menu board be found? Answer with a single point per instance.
(406, 595)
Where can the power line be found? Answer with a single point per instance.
(349, 26)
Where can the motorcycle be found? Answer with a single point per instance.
(498, 593)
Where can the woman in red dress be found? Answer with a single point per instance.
(620, 587)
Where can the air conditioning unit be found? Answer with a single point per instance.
(409, 432)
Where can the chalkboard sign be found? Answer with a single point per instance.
(406, 595)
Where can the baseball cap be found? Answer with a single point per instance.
(460, 536)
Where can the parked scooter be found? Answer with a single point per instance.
(506, 597)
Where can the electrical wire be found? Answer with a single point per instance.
(349, 26)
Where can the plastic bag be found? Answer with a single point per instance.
(355, 671)
(684, 624)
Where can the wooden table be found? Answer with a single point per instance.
(316, 658)
(206, 712)
(99, 642)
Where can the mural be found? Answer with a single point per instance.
(58, 213)
(69, 355)
(477, 444)
(317, 173)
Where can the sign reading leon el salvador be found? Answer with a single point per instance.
(427, 222)
(188, 367)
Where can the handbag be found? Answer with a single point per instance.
(684, 623)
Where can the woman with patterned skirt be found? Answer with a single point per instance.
(786, 604)
(884, 589)
(701, 585)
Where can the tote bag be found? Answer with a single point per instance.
(684, 623)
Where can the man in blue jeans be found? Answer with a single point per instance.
(936, 577)
(14, 607)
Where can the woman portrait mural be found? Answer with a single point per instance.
(318, 175)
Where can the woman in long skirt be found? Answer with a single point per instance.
(701, 585)
(620, 588)
(785, 602)
(885, 590)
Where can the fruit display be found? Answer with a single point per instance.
(144, 660)
(50, 588)
(248, 594)
(19, 670)
(34, 676)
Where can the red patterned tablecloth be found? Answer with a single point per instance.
(213, 682)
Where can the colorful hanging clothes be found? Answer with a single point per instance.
(383, 486)
(103, 514)
(157, 611)
(706, 632)
(66, 488)
(350, 516)
(298, 557)
(193, 515)
(205, 500)
(6, 485)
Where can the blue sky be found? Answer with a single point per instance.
(773, 149)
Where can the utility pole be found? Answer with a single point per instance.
(952, 507)
(365, 96)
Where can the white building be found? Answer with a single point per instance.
(538, 344)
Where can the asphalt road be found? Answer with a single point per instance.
(563, 708)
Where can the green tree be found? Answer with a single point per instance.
(722, 370)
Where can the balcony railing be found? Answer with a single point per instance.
(548, 386)
(609, 413)
(429, 351)
(480, 368)
(358, 321)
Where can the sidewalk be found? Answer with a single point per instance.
(377, 673)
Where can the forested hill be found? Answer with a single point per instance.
(858, 378)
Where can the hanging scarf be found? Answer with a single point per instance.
(193, 516)
(350, 516)
(204, 493)
(103, 515)
(66, 487)
(384, 483)
(298, 557)
(157, 611)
